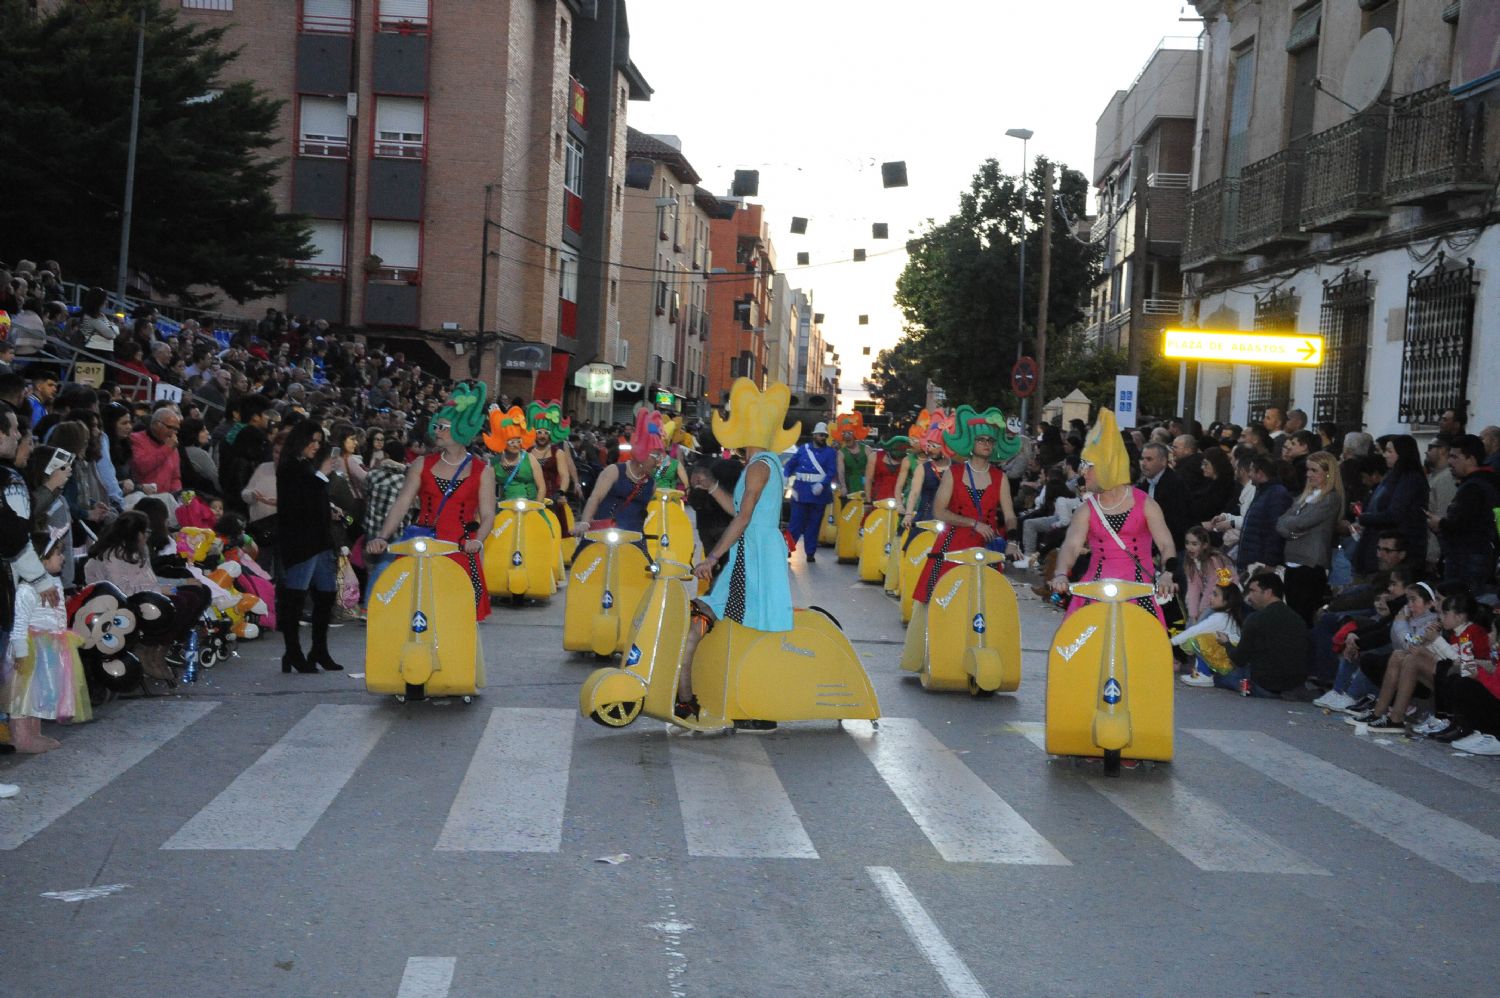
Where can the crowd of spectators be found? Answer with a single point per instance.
(1315, 564)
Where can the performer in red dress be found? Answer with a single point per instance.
(973, 498)
(456, 492)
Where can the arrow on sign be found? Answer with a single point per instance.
(1309, 349)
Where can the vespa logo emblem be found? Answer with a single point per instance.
(390, 593)
(418, 622)
(1074, 648)
(666, 541)
(583, 576)
(634, 657)
(788, 646)
(1112, 691)
(943, 601)
(515, 559)
(978, 623)
(505, 525)
(608, 601)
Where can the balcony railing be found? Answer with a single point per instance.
(1345, 168)
(323, 146)
(1169, 181)
(1271, 202)
(1436, 148)
(1100, 227)
(1212, 223)
(1163, 305)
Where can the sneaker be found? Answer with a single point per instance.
(1432, 726)
(1023, 563)
(1454, 733)
(1333, 700)
(1385, 725)
(1197, 679)
(1361, 706)
(9, 790)
(1479, 743)
(1363, 717)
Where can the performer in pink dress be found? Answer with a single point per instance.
(1118, 523)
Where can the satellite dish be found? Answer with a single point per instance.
(1369, 69)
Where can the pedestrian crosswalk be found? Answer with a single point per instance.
(519, 772)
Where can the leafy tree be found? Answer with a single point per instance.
(204, 215)
(1073, 363)
(958, 293)
(898, 379)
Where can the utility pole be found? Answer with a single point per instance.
(1138, 257)
(477, 359)
(1041, 305)
(135, 127)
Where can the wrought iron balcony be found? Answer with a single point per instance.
(1436, 148)
(1345, 170)
(1212, 221)
(1271, 202)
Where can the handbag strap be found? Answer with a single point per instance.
(976, 494)
(514, 471)
(449, 495)
(1093, 501)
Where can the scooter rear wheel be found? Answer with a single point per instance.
(618, 715)
(975, 690)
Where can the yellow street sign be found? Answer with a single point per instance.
(1243, 348)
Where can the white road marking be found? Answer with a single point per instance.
(427, 977)
(513, 795)
(1473, 770)
(1199, 830)
(733, 804)
(85, 893)
(961, 816)
(276, 801)
(57, 782)
(1458, 848)
(956, 976)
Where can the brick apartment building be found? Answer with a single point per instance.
(405, 123)
(666, 270)
(740, 301)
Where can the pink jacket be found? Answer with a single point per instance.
(155, 463)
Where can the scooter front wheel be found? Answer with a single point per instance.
(618, 715)
(975, 690)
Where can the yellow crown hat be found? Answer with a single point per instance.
(1104, 449)
(755, 418)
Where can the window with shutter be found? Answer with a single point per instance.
(404, 15)
(399, 246)
(327, 256)
(400, 127)
(323, 128)
(335, 17)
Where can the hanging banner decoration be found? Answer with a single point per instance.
(1292, 349)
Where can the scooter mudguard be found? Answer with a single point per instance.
(913, 559)
(520, 554)
(605, 587)
(828, 530)
(669, 532)
(559, 567)
(564, 514)
(877, 538)
(421, 629)
(1135, 698)
(851, 521)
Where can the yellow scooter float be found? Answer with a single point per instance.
(1109, 679)
(851, 521)
(739, 674)
(562, 533)
(521, 553)
(968, 634)
(421, 640)
(828, 530)
(605, 587)
(669, 532)
(878, 538)
(914, 559)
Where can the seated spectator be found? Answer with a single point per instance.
(1363, 643)
(199, 473)
(1222, 621)
(1202, 565)
(1466, 705)
(1427, 658)
(157, 462)
(1272, 652)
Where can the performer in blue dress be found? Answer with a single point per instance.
(755, 590)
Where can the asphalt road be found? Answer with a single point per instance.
(264, 834)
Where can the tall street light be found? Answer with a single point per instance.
(1024, 134)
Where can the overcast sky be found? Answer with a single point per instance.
(816, 94)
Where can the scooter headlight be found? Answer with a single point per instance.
(1111, 590)
(420, 547)
(613, 537)
(979, 556)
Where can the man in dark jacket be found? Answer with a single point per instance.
(1272, 652)
(1168, 489)
(1466, 529)
(1260, 544)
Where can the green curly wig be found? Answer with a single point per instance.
(464, 413)
(970, 424)
(548, 416)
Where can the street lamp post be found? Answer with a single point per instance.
(1024, 134)
(127, 208)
